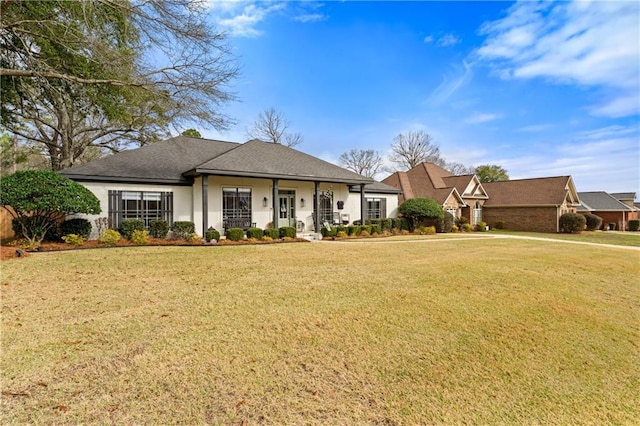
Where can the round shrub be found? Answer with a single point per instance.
(211, 235)
(73, 239)
(77, 226)
(128, 226)
(634, 225)
(354, 230)
(235, 234)
(466, 227)
(256, 233)
(500, 224)
(183, 229)
(288, 231)
(417, 210)
(572, 223)
(109, 237)
(158, 228)
(140, 237)
(481, 226)
(272, 233)
(592, 221)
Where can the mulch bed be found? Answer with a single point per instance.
(8, 251)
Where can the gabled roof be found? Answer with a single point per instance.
(600, 201)
(179, 159)
(464, 182)
(550, 191)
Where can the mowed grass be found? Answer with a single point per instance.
(631, 239)
(482, 331)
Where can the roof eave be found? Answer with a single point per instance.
(127, 179)
(234, 173)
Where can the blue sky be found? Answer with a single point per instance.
(542, 89)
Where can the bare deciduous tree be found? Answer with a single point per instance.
(365, 162)
(271, 126)
(458, 169)
(124, 71)
(414, 147)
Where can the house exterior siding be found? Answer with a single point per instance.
(536, 219)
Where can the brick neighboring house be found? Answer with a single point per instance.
(462, 196)
(524, 205)
(531, 204)
(609, 207)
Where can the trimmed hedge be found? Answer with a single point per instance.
(572, 223)
(235, 234)
(287, 231)
(128, 226)
(256, 233)
(272, 233)
(592, 221)
(184, 229)
(77, 226)
(634, 225)
(211, 234)
(158, 228)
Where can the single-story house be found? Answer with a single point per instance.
(226, 184)
(462, 196)
(525, 204)
(530, 204)
(608, 207)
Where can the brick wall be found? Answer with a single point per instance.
(536, 219)
(612, 217)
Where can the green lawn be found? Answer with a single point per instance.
(481, 331)
(616, 238)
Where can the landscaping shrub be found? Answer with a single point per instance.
(367, 229)
(500, 224)
(77, 226)
(158, 228)
(109, 237)
(418, 210)
(400, 223)
(447, 222)
(211, 235)
(427, 230)
(572, 223)
(375, 229)
(73, 239)
(341, 234)
(466, 227)
(183, 229)
(266, 238)
(460, 221)
(235, 234)
(386, 224)
(256, 233)
(341, 228)
(612, 226)
(140, 236)
(592, 221)
(128, 226)
(481, 226)
(354, 230)
(365, 233)
(454, 228)
(288, 231)
(36, 225)
(272, 233)
(634, 225)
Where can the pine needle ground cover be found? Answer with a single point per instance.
(441, 331)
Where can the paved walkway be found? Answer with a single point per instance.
(488, 236)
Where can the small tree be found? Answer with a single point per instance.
(491, 173)
(272, 126)
(36, 198)
(414, 147)
(419, 210)
(365, 162)
(192, 133)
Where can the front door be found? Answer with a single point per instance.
(287, 205)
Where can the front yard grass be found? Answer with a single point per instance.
(631, 239)
(482, 331)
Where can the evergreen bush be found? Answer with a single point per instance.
(235, 234)
(272, 233)
(592, 221)
(572, 223)
(77, 226)
(256, 233)
(158, 228)
(128, 226)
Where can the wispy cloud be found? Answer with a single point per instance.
(590, 44)
(451, 83)
(442, 41)
(241, 18)
(534, 128)
(310, 17)
(481, 117)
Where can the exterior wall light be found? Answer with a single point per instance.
(265, 202)
(301, 202)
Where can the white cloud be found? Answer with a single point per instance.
(242, 18)
(310, 17)
(448, 40)
(592, 44)
(442, 41)
(533, 128)
(480, 117)
(450, 84)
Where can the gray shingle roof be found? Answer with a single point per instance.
(376, 187)
(178, 159)
(600, 201)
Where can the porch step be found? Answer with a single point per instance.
(311, 236)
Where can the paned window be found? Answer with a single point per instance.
(143, 205)
(236, 203)
(376, 208)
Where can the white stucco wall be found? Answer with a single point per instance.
(182, 198)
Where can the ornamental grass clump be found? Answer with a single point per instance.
(109, 237)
